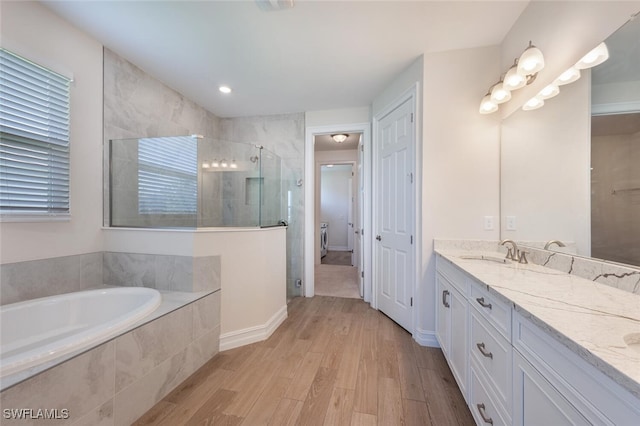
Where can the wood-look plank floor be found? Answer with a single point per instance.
(332, 362)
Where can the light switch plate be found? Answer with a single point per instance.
(511, 223)
(488, 223)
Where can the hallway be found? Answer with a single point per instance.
(334, 361)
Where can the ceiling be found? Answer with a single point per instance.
(317, 55)
(624, 56)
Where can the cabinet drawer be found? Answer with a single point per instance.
(453, 274)
(493, 355)
(496, 312)
(481, 402)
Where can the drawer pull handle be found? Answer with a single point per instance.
(483, 414)
(445, 293)
(480, 300)
(483, 350)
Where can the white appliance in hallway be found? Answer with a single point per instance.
(324, 239)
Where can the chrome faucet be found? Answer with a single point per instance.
(551, 242)
(512, 252)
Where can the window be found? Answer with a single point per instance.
(168, 175)
(34, 138)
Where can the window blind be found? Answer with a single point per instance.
(168, 175)
(34, 138)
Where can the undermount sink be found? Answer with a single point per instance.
(490, 258)
(633, 341)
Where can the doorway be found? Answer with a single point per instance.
(354, 157)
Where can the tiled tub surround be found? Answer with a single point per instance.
(33, 279)
(118, 381)
(589, 318)
(626, 278)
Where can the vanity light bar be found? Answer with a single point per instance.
(523, 72)
(596, 56)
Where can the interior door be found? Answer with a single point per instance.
(360, 208)
(394, 250)
(350, 227)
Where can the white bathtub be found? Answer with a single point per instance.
(39, 330)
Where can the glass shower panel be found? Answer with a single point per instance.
(230, 184)
(271, 190)
(154, 182)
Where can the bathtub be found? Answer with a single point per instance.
(39, 330)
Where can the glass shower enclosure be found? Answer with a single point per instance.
(193, 182)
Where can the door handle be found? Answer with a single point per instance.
(445, 293)
(482, 303)
(357, 232)
(483, 414)
(378, 237)
(483, 351)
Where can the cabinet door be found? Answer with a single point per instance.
(443, 313)
(459, 353)
(536, 401)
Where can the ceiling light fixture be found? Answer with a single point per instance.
(215, 163)
(224, 164)
(233, 164)
(340, 138)
(499, 94)
(225, 89)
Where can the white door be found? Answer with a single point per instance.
(394, 249)
(360, 208)
(350, 227)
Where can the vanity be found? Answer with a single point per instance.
(531, 345)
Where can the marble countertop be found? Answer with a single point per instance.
(589, 318)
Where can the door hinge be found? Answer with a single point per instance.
(412, 239)
(362, 274)
(412, 117)
(411, 301)
(411, 177)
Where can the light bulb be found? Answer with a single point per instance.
(549, 92)
(513, 80)
(533, 103)
(225, 89)
(215, 163)
(569, 76)
(499, 94)
(223, 163)
(233, 164)
(205, 165)
(487, 106)
(595, 57)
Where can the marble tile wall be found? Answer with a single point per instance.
(47, 277)
(40, 278)
(120, 380)
(138, 105)
(162, 272)
(626, 278)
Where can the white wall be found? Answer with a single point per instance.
(460, 159)
(334, 204)
(337, 116)
(33, 31)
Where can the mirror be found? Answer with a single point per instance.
(558, 181)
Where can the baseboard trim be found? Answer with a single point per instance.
(258, 333)
(426, 338)
(338, 248)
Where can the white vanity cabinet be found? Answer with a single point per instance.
(451, 319)
(512, 371)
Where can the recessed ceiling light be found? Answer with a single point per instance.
(224, 89)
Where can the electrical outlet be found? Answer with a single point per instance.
(488, 223)
(511, 223)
